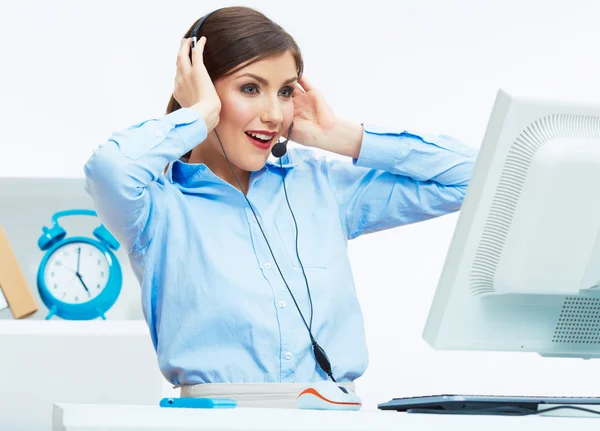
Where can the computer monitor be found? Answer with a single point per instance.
(522, 272)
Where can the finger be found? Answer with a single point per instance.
(180, 46)
(198, 51)
(183, 58)
(299, 90)
(305, 83)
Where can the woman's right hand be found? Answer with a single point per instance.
(193, 86)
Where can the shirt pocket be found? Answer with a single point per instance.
(320, 237)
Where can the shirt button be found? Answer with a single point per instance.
(159, 134)
(288, 355)
(282, 304)
(267, 265)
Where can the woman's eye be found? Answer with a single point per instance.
(252, 88)
(249, 88)
(287, 92)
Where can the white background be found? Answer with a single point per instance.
(72, 72)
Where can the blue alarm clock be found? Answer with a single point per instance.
(79, 278)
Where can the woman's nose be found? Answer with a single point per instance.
(272, 111)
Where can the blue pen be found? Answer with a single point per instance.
(199, 403)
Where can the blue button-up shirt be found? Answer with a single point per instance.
(215, 303)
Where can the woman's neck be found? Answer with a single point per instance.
(215, 160)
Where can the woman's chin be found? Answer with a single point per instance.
(253, 162)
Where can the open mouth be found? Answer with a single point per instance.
(260, 140)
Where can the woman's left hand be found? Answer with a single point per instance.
(313, 118)
(316, 125)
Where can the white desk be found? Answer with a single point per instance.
(95, 417)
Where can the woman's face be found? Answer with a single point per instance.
(256, 109)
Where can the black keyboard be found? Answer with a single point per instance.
(487, 404)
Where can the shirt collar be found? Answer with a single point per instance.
(186, 174)
(285, 162)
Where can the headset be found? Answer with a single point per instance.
(278, 151)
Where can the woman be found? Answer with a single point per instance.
(229, 270)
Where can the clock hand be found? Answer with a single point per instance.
(78, 258)
(77, 272)
(83, 283)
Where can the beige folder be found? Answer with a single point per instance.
(14, 287)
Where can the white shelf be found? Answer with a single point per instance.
(121, 328)
(44, 362)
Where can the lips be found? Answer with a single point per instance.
(263, 145)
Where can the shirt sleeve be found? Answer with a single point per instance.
(400, 178)
(121, 174)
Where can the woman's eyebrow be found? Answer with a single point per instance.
(264, 81)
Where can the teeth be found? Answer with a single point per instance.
(260, 136)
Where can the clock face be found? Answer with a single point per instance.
(76, 273)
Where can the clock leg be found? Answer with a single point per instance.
(51, 313)
(101, 314)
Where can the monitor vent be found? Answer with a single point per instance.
(579, 321)
(508, 191)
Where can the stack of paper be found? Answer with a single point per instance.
(3, 303)
(13, 284)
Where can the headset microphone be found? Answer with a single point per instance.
(280, 148)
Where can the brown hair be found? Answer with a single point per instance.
(236, 35)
